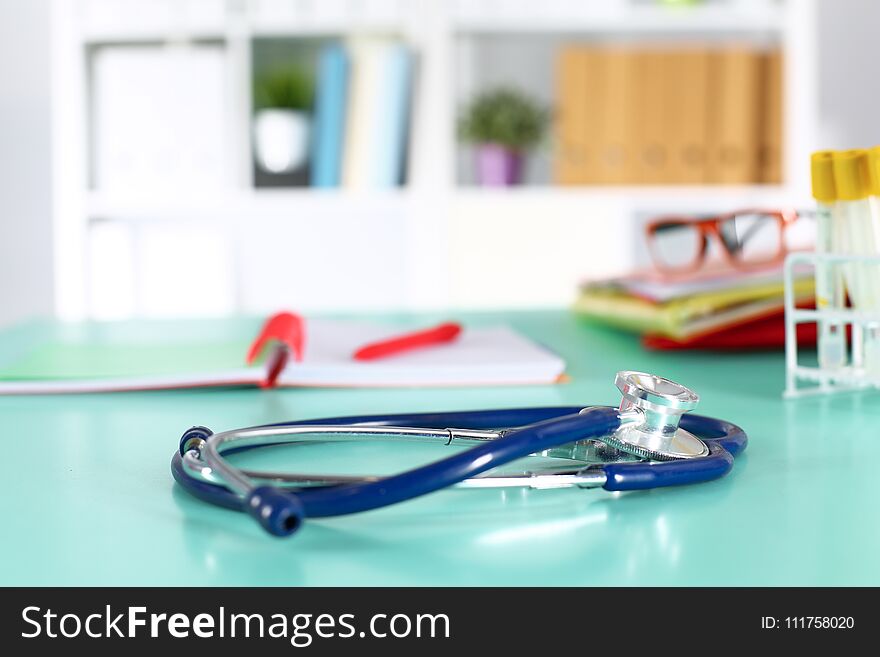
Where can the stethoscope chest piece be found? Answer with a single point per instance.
(650, 412)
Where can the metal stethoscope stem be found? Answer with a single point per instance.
(205, 459)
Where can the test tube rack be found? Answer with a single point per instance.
(802, 380)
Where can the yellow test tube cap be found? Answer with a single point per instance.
(822, 176)
(874, 170)
(851, 175)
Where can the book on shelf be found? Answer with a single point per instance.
(378, 123)
(331, 102)
(363, 107)
(392, 129)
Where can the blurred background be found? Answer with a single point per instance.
(165, 158)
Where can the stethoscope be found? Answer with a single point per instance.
(647, 442)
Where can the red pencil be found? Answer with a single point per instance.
(419, 339)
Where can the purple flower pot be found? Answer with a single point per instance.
(498, 166)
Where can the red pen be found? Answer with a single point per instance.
(287, 332)
(425, 338)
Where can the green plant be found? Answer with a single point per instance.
(290, 87)
(504, 116)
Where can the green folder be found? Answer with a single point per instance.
(126, 349)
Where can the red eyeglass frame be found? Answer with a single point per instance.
(708, 228)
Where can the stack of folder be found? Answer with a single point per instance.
(684, 115)
(718, 310)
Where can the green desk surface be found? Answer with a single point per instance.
(88, 497)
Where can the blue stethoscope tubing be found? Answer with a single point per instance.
(537, 429)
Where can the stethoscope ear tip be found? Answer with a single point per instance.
(278, 512)
(194, 438)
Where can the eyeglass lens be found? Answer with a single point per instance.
(752, 237)
(677, 246)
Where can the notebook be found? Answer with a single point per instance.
(104, 361)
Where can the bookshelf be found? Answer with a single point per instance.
(433, 244)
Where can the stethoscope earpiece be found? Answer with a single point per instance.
(194, 438)
(279, 513)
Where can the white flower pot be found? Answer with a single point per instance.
(281, 139)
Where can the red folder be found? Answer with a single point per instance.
(763, 333)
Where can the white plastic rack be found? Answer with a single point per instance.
(802, 380)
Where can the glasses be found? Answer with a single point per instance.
(749, 238)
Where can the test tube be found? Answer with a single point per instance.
(871, 247)
(829, 280)
(855, 234)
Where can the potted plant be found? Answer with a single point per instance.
(503, 124)
(282, 125)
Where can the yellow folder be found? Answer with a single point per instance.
(734, 129)
(573, 108)
(687, 316)
(687, 128)
(649, 130)
(616, 148)
(771, 134)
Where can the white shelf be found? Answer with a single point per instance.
(302, 201)
(149, 20)
(604, 192)
(634, 201)
(424, 245)
(138, 35)
(592, 18)
(170, 21)
(137, 21)
(299, 204)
